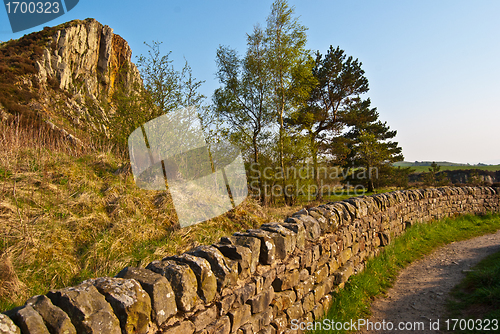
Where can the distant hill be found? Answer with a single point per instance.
(423, 166)
(429, 163)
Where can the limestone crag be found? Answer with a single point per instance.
(88, 62)
(90, 53)
(462, 176)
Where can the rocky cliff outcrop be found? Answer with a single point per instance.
(462, 176)
(87, 58)
(91, 62)
(77, 69)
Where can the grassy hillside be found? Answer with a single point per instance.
(69, 209)
(493, 168)
(427, 163)
(445, 165)
(69, 213)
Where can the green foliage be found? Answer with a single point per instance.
(286, 109)
(259, 90)
(368, 145)
(164, 89)
(334, 91)
(288, 59)
(434, 177)
(434, 167)
(161, 80)
(130, 114)
(493, 168)
(288, 63)
(400, 176)
(243, 101)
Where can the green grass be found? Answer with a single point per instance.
(478, 295)
(492, 168)
(353, 302)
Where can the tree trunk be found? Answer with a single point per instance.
(314, 150)
(370, 182)
(286, 198)
(262, 194)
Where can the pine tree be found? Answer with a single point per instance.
(369, 146)
(338, 82)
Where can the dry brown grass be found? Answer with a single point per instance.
(70, 213)
(10, 286)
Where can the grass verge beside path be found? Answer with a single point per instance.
(478, 295)
(353, 302)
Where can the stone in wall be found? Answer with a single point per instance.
(207, 282)
(54, 318)
(240, 316)
(184, 327)
(131, 304)
(261, 301)
(285, 240)
(241, 254)
(29, 320)
(267, 252)
(181, 278)
(244, 293)
(88, 309)
(327, 221)
(312, 227)
(253, 244)
(298, 228)
(287, 280)
(225, 271)
(219, 326)
(7, 326)
(203, 318)
(162, 296)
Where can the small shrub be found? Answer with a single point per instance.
(37, 52)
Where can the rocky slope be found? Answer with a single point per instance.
(66, 77)
(463, 176)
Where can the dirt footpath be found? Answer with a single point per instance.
(420, 293)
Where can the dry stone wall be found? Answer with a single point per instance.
(256, 281)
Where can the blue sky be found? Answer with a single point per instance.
(432, 65)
